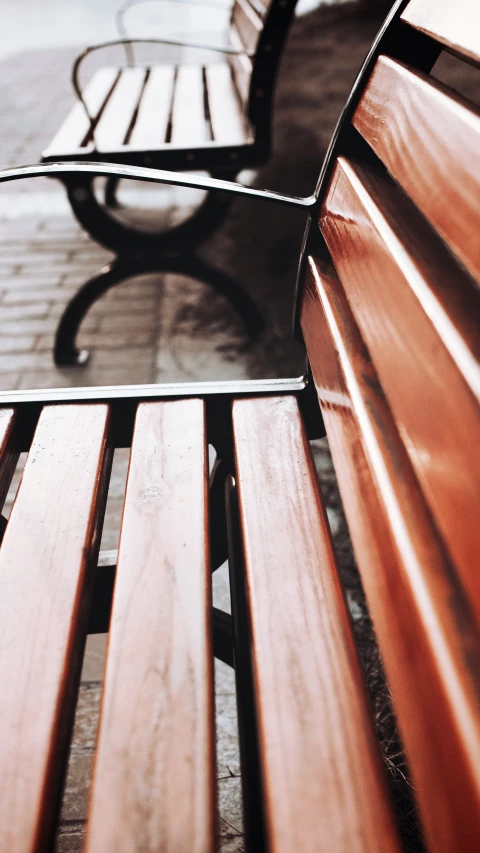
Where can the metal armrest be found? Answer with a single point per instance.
(156, 176)
(127, 43)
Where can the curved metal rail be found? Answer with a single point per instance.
(156, 176)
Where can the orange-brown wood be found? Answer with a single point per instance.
(154, 781)
(418, 315)
(423, 622)
(229, 126)
(321, 776)
(430, 143)
(75, 129)
(248, 24)
(46, 568)
(456, 25)
(189, 126)
(151, 123)
(117, 117)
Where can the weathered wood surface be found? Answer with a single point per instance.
(47, 560)
(456, 25)
(417, 314)
(320, 767)
(154, 782)
(423, 621)
(430, 143)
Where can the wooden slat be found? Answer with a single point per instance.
(46, 571)
(117, 117)
(226, 114)
(150, 128)
(74, 131)
(241, 68)
(430, 143)
(405, 572)
(248, 24)
(418, 314)
(154, 781)
(320, 769)
(456, 25)
(189, 127)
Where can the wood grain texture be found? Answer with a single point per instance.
(248, 24)
(229, 126)
(47, 560)
(320, 769)
(406, 574)
(430, 143)
(118, 115)
(74, 131)
(150, 128)
(189, 126)
(456, 25)
(154, 780)
(418, 316)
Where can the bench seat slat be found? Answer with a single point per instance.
(320, 768)
(430, 143)
(74, 131)
(47, 560)
(406, 574)
(150, 129)
(118, 115)
(226, 114)
(418, 315)
(456, 25)
(189, 126)
(154, 777)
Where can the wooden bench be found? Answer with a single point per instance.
(388, 306)
(215, 117)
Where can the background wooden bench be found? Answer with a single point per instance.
(388, 305)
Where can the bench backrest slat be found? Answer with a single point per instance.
(154, 778)
(395, 275)
(247, 23)
(455, 25)
(47, 564)
(265, 37)
(423, 622)
(313, 718)
(390, 313)
(435, 158)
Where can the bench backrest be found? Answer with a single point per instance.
(260, 28)
(390, 314)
